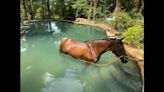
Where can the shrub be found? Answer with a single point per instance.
(136, 15)
(135, 36)
(123, 20)
(100, 20)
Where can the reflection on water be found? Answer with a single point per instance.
(44, 69)
(47, 77)
(23, 47)
(69, 82)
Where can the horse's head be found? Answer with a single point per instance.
(118, 49)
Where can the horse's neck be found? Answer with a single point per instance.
(100, 47)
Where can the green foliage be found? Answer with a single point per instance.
(136, 15)
(128, 5)
(135, 36)
(76, 8)
(21, 12)
(142, 8)
(38, 13)
(100, 20)
(105, 8)
(123, 20)
(81, 8)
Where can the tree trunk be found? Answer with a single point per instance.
(25, 9)
(43, 10)
(90, 11)
(48, 8)
(94, 11)
(61, 9)
(118, 6)
(77, 14)
(32, 10)
(138, 4)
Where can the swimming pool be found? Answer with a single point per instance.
(44, 69)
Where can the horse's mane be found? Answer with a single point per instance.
(104, 39)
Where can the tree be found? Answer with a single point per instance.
(93, 6)
(90, 10)
(32, 9)
(69, 9)
(118, 6)
(138, 4)
(25, 9)
(60, 8)
(43, 10)
(94, 9)
(48, 8)
(80, 8)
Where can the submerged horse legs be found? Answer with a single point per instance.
(123, 60)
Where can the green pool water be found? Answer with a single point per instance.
(44, 69)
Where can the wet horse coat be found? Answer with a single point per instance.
(91, 50)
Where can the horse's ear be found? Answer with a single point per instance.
(120, 38)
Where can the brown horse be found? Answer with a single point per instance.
(92, 50)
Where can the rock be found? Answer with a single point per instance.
(83, 20)
(111, 34)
